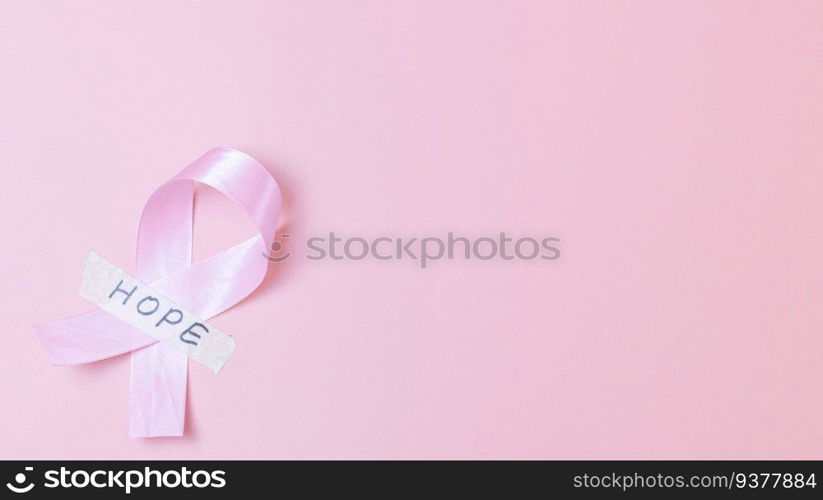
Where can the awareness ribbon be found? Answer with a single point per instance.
(157, 393)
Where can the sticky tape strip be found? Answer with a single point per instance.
(136, 303)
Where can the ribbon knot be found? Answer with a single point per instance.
(157, 392)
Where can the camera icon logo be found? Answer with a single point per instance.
(20, 478)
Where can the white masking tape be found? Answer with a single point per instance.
(136, 303)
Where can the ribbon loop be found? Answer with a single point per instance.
(163, 258)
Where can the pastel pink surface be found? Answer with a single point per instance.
(674, 147)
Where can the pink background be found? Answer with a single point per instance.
(674, 147)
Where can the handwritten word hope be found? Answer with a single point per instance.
(149, 305)
(151, 312)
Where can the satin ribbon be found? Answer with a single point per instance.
(157, 394)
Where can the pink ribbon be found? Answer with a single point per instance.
(157, 394)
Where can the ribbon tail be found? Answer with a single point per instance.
(157, 392)
(89, 337)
